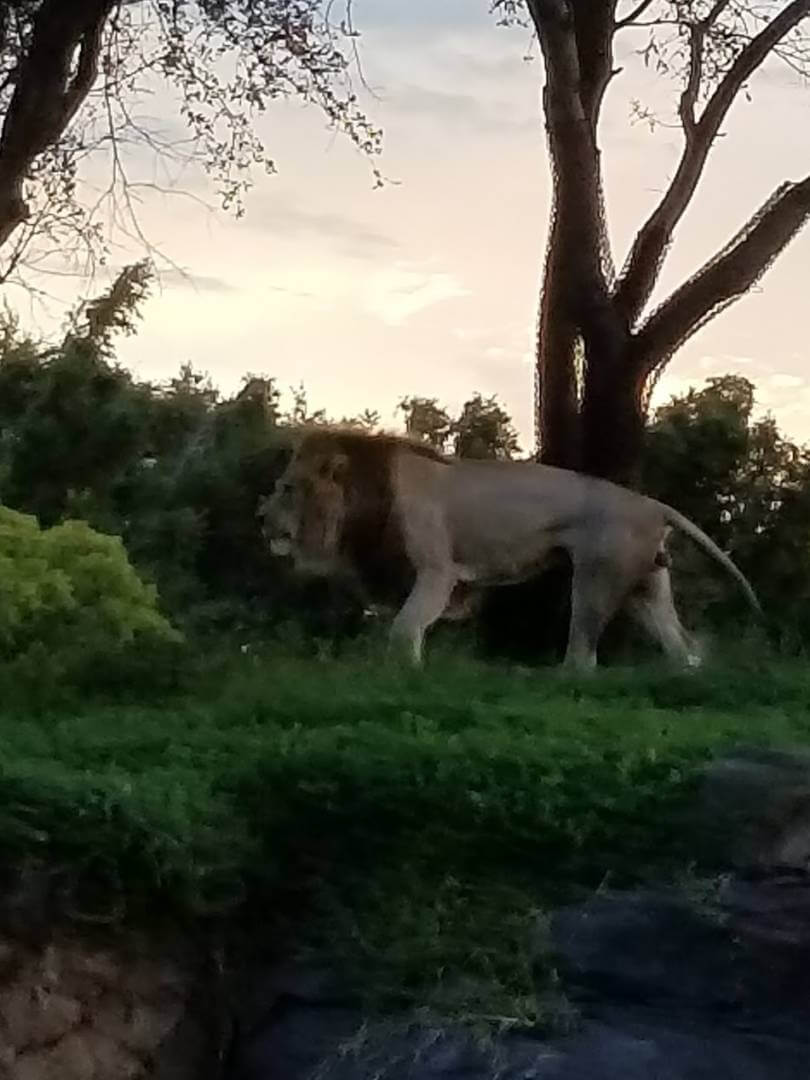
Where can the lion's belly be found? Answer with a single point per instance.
(488, 561)
(505, 521)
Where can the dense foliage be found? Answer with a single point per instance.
(70, 600)
(413, 825)
(177, 471)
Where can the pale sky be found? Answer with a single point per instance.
(429, 286)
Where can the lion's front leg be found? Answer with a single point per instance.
(427, 601)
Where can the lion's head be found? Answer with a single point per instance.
(304, 516)
(332, 509)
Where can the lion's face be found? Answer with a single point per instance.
(304, 516)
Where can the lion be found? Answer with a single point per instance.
(427, 533)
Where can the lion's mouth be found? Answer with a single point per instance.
(281, 546)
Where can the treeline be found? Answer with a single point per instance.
(176, 470)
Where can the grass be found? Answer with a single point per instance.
(413, 825)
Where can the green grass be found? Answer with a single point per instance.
(411, 824)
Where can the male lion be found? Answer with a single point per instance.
(410, 524)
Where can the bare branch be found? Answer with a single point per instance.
(688, 102)
(87, 68)
(636, 13)
(697, 37)
(595, 30)
(727, 277)
(654, 238)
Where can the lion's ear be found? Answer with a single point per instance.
(335, 467)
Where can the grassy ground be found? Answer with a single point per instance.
(412, 824)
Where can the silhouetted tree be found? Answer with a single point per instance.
(484, 430)
(600, 347)
(426, 419)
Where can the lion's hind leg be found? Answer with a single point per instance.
(653, 606)
(600, 583)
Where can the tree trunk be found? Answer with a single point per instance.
(51, 81)
(597, 352)
(558, 336)
(613, 417)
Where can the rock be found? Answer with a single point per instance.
(646, 948)
(191, 1051)
(615, 1049)
(741, 957)
(81, 1056)
(754, 809)
(9, 957)
(91, 971)
(675, 986)
(7, 1056)
(153, 979)
(111, 1060)
(141, 1028)
(622, 1049)
(35, 1017)
(70, 1059)
(68, 1012)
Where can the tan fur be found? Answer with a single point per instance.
(399, 515)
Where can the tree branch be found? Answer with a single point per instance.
(578, 188)
(543, 11)
(46, 95)
(594, 28)
(636, 13)
(655, 236)
(688, 100)
(727, 277)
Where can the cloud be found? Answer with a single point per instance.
(348, 235)
(724, 362)
(478, 114)
(300, 293)
(421, 16)
(470, 333)
(183, 279)
(785, 381)
(395, 295)
(493, 68)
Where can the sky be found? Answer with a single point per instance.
(429, 285)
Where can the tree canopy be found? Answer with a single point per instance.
(75, 79)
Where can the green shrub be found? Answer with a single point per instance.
(409, 825)
(70, 600)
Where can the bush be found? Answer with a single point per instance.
(70, 601)
(408, 825)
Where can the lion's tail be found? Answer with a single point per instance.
(678, 521)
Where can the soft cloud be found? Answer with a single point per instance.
(395, 295)
(478, 113)
(470, 333)
(346, 234)
(784, 381)
(723, 362)
(183, 279)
